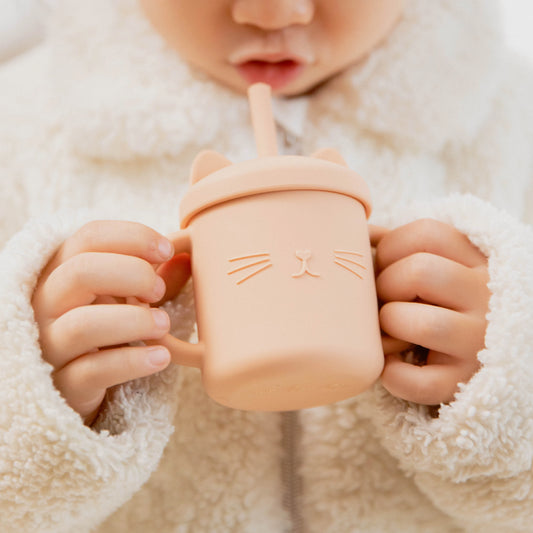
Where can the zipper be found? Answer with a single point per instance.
(292, 483)
(290, 425)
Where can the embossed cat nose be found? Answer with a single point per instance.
(304, 256)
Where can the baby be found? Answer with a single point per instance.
(293, 46)
(450, 420)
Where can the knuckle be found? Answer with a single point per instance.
(133, 361)
(147, 233)
(124, 364)
(69, 274)
(426, 229)
(77, 268)
(426, 225)
(147, 275)
(141, 321)
(432, 326)
(146, 269)
(73, 328)
(425, 391)
(81, 374)
(420, 266)
(91, 233)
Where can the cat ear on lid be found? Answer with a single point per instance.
(205, 163)
(330, 154)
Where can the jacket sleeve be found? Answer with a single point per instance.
(56, 474)
(474, 461)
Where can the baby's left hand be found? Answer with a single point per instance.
(432, 282)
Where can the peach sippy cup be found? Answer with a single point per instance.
(282, 274)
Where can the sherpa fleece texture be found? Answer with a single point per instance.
(103, 121)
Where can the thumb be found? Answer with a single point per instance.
(175, 272)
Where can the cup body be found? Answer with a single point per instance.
(285, 299)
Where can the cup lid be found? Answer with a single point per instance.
(269, 174)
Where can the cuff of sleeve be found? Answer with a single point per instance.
(55, 462)
(488, 428)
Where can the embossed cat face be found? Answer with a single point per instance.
(249, 265)
(255, 262)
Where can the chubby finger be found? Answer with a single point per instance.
(430, 384)
(78, 281)
(175, 273)
(84, 380)
(115, 236)
(427, 235)
(433, 327)
(436, 280)
(86, 328)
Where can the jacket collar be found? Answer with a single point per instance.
(122, 94)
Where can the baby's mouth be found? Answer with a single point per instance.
(277, 74)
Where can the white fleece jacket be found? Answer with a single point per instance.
(103, 120)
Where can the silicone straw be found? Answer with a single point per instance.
(259, 95)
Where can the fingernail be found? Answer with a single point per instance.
(165, 248)
(159, 288)
(157, 356)
(160, 318)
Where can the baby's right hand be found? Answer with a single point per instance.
(86, 341)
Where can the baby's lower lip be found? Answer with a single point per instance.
(276, 74)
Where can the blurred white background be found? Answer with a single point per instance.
(518, 20)
(20, 25)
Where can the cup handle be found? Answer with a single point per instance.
(181, 352)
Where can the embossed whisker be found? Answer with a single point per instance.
(248, 256)
(254, 273)
(351, 261)
(250, 265)
(347, 268)
(348, 252)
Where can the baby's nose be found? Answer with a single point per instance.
(273, 14)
